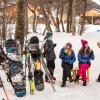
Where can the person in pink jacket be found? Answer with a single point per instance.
(85, 55)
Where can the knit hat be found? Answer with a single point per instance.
(48, 34)
(83, 42)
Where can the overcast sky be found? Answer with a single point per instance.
(97, 1)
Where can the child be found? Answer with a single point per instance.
(68, 58)
(50, 55)
(84, 56)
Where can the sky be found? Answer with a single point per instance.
(97, 1)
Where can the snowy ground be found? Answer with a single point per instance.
(71, 91)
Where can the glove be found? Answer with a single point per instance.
(88, 63)
(65, 51)
(54, 45)
(91, 53)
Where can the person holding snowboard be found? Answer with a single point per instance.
(68, 58)
(98, 80)
(85, 54)
(50, 55)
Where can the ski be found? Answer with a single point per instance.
(28, 64)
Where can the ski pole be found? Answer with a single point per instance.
(4, 89)
(48, 74)
(45, 66)
(5, 93)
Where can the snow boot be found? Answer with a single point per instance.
(63, 84)
(70, 79)
(54, 78)
(47, 80)
(98, 80)
(84, 83)
(77, 78)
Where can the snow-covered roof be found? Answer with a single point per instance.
(96, 9)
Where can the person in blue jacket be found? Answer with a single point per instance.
(68, 58)
(85, 55)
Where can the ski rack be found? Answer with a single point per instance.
(45, 67)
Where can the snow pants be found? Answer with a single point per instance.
(66, 71)
(82, 70)
(51, 67)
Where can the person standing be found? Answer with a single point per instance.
(50, 55)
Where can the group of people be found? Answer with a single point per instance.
(67, 55)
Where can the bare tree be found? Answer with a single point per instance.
(4, 19)
(69, 16)
(26, 17)
(52, 18)
(35, 19)
(62, 10)
(73, 17)
(83, 21)
(20, 22)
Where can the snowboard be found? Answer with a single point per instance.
(38, 75)
(15, 72)
(35, 63)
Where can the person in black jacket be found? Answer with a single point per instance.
(50, 55)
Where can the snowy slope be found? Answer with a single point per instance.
(71, 91)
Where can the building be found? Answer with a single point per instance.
(11, 13)
(92, 16)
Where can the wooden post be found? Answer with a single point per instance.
(87, 75)
(92, 19)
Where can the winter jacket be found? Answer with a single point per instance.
(49, 50)
(86, 57)
(67, 58)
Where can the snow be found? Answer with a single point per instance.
(97, 1)
(72, 91)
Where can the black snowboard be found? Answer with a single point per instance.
(38, 80)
